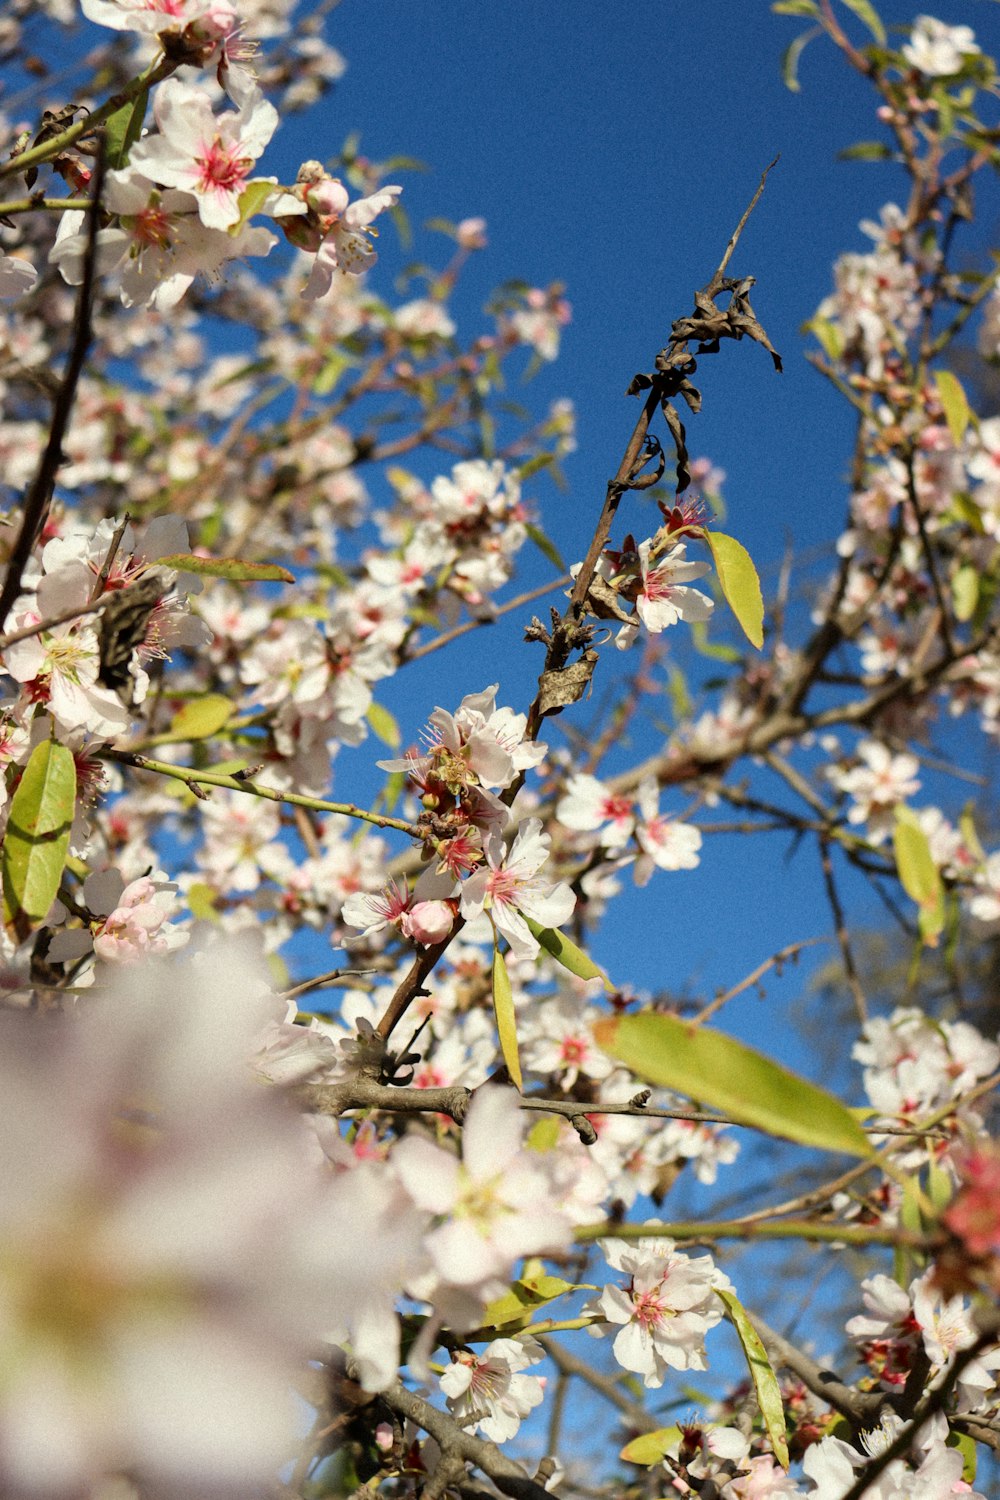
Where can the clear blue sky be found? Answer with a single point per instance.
(614, 147)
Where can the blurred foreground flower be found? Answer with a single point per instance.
(163, 1264)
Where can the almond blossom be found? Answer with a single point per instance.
(938, 50)
(666, 842)
(665, 595)
(157, 1233)
(490, 1387)
(877, 785)
(492, 1206)
(510, 889)
(210, 156)
(159, 244)
(665, 1309)
(588, 805)
(339, 231)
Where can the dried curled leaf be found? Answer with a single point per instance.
(557, 689)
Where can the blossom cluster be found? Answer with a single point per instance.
(394, 1204)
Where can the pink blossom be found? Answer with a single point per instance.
(588, 805)
(208, 155)
(665, 596)
(664, 1310)
(510, 888)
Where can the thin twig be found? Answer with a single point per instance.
(39, 497)
(453, 635)
(716, 281)
(233, 783)
(791, 950)
(840, 928)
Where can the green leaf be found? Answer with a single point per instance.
(565, 952)
(918, 874)
(201, 717)
(866, 151)
(866, 13)
(765, 1382)
(123, 129)
(384, 726)
(651, 1447)
(231, 568)
(335, 364)
(201, 902)
(955, 403)
(970, 835)
(534, 465)
(965, 591)
(252, 199)
(740, 584)
(714, 1069)
(546, 546)
(966, 1445)
(503, 1009)
(790, 59)
(37, 836)
(828, 336)
(544, 1134)
(526, 1294)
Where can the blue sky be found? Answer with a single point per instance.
(614, 148)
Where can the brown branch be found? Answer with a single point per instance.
(840, 928)
(608, 1386)
(39, 497)
(509, 1477)
(858, 1407)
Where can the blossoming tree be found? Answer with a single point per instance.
(272, 1227)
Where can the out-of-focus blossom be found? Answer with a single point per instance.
(938, 50)
(493, 1205)
(159, 1238)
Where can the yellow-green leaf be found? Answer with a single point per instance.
(546, 546)
(918, 874)
(970, 836)
(955, 403)
(201, 900)
(790, 59)
(739, 583)
(383, 725)
(965, 591)
(251, 201)
(544, 1134)
(37, 836)
(525, 1294)
(715, 1069)
(966, 1445)
(651, 1447)
(865, 151)
(202, 717)
(233, 569)
(566, 953)
(765, 1382)
(866, 12)
(828, 336)
(503, 1009)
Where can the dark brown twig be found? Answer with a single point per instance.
(39, 497)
